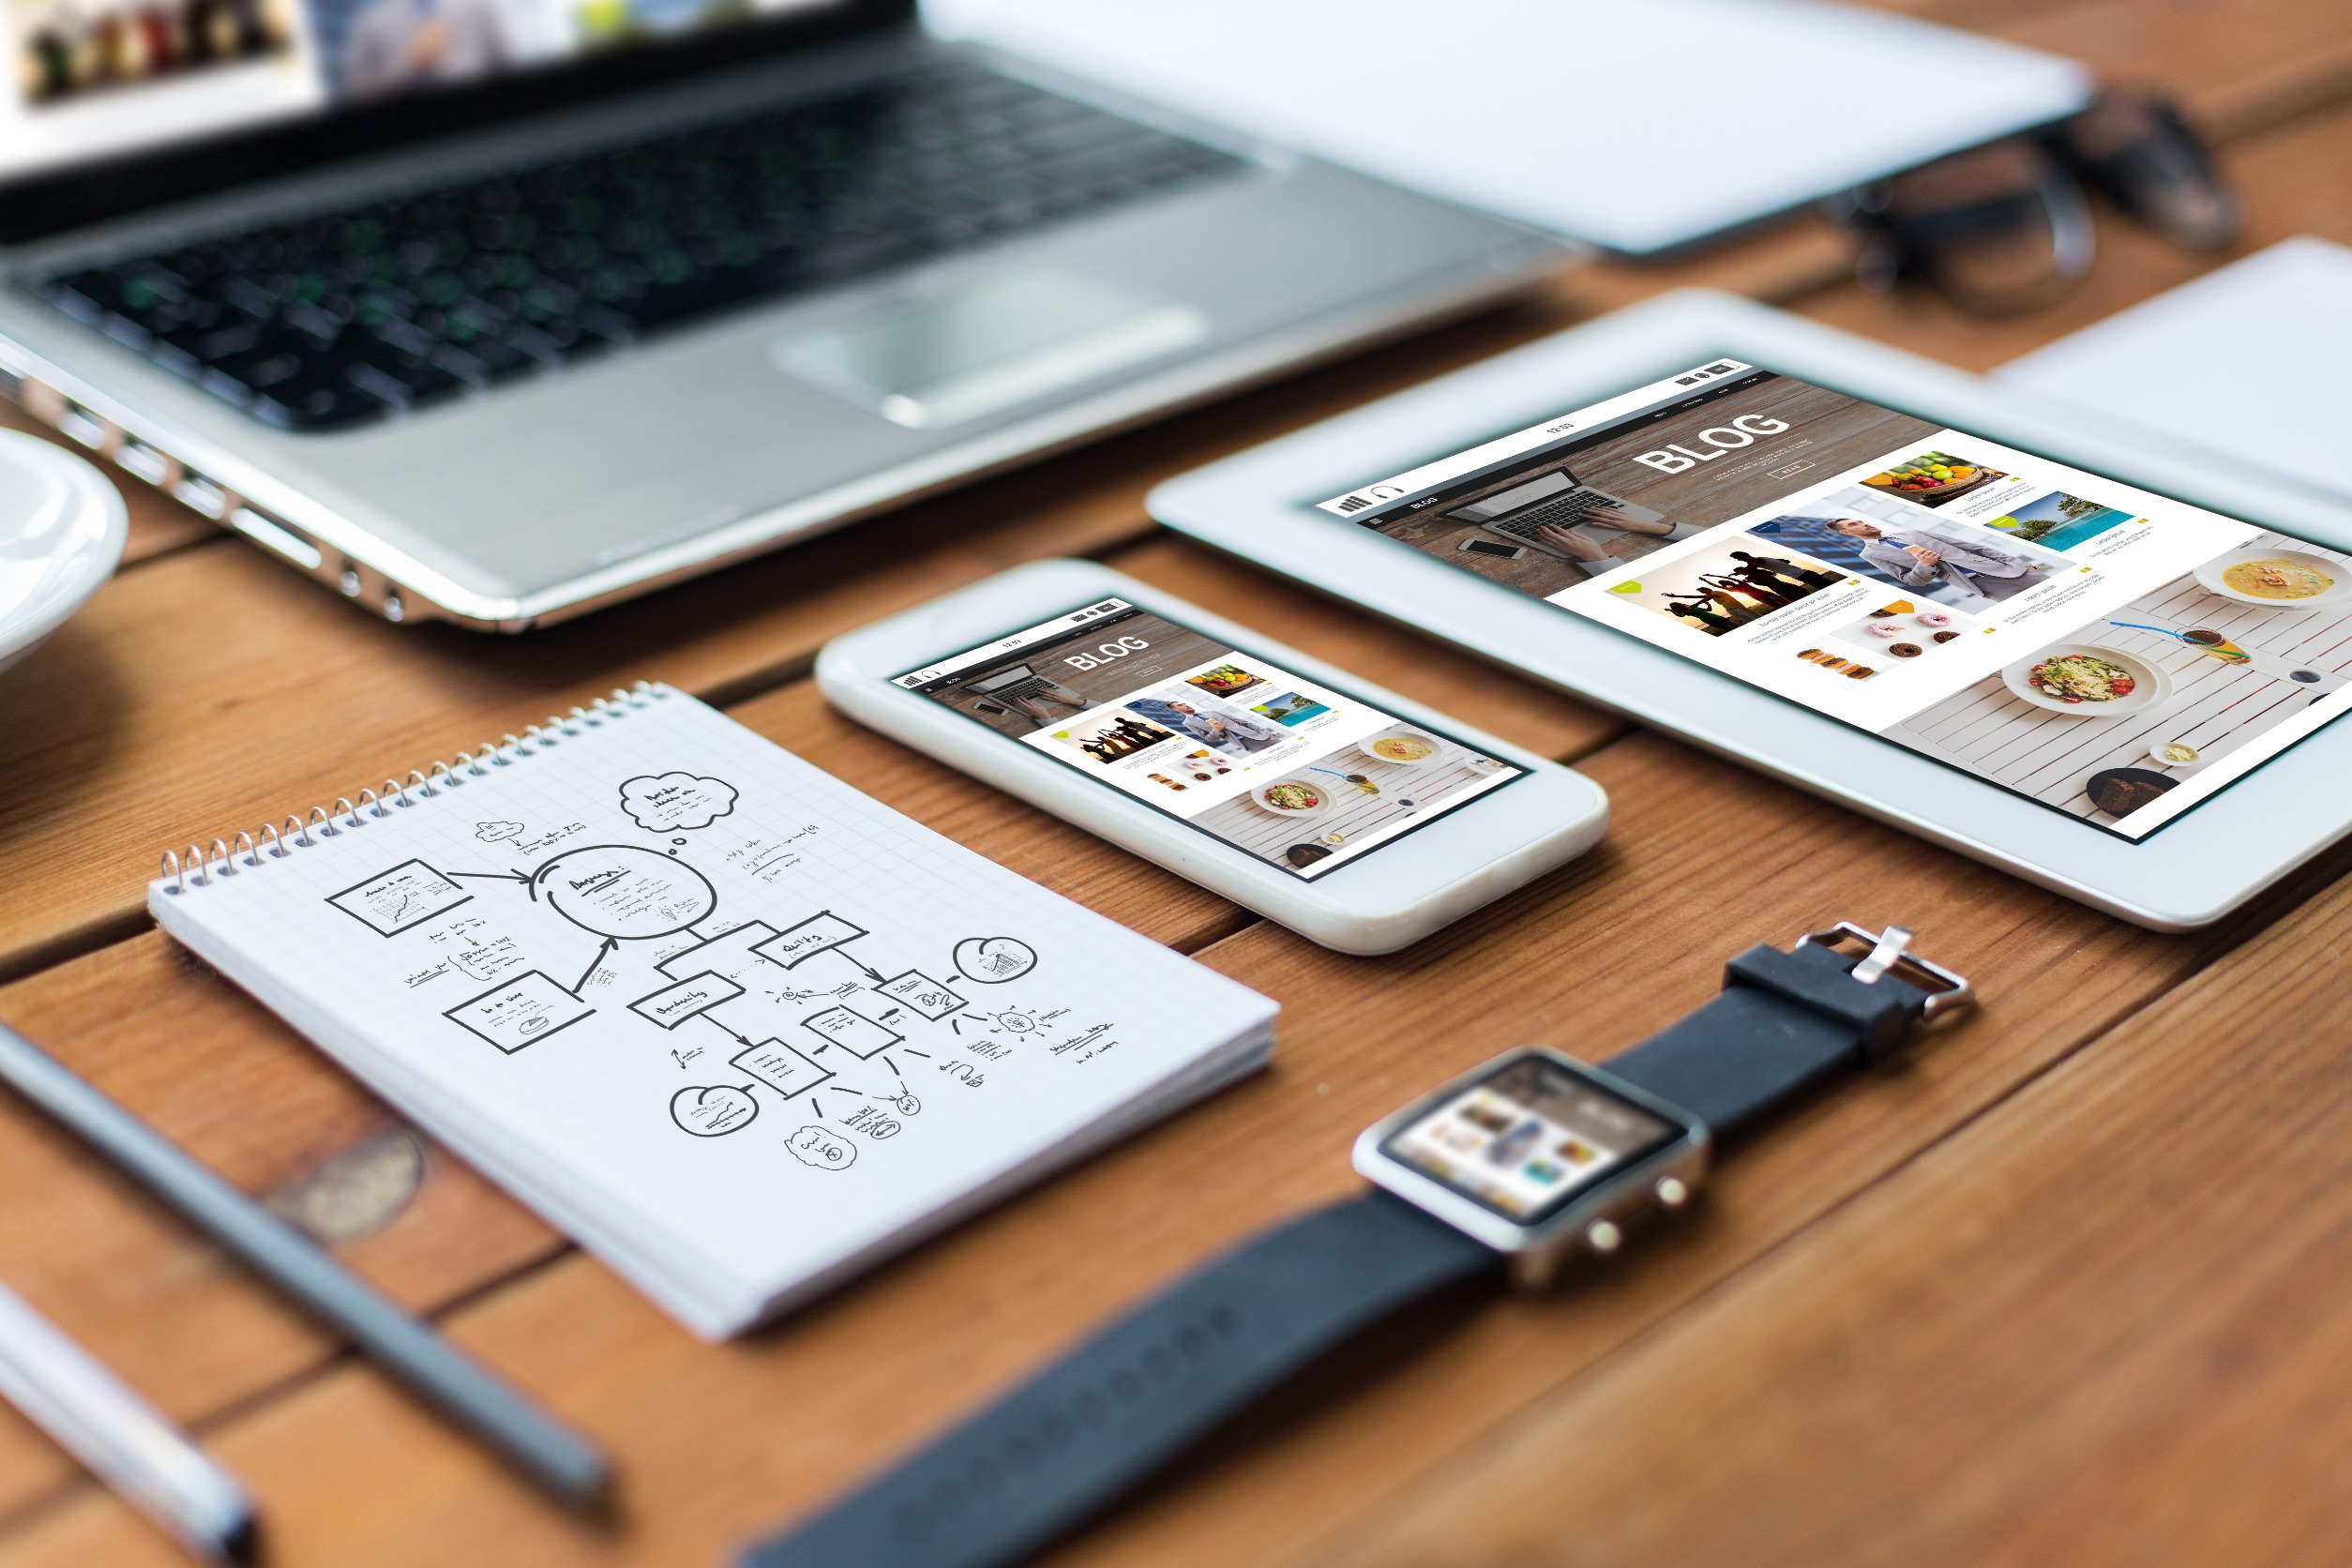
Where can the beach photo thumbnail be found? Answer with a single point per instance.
(2058, 521)
(1290, 707)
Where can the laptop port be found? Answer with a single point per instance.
(196, 491)
(351, 583)
(271, 534)
(138, 458)
(79, 424)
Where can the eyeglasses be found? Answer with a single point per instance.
(2006, 227)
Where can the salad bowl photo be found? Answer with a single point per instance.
(1292, 797)
(2084, 680)
(2277, 579)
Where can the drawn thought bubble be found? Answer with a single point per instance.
(497, 832)
(822, 1148)
(659, 802)
(713, 1112)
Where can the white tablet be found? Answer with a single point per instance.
(1958, 609)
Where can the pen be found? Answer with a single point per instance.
(64, 1391)
(551, 1455)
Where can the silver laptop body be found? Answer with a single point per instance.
(538, 497)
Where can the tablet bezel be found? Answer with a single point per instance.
(1260, 504)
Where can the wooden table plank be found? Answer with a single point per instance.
(1634, 934)
(2112, 1309)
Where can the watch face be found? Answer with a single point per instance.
(1529, 1138)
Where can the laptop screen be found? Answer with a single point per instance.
(101, 79)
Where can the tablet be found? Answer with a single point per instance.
(1982, 617)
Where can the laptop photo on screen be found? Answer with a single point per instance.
(496, 311)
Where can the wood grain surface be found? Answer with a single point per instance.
(2064, 1286)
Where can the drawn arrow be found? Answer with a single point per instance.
(603, 953)
(490, 876)
(724, 1030)
(871, 973)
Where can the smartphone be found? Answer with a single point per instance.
(1492, 547)
(1355, 816)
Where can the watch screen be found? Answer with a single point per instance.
(2107, 652)
(1302, 776)
(1528, 1139)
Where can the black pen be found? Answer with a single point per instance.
(551, 1455)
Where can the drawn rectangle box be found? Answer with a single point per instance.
(780, 1067)
(521, 1012)
(730, 949)
(820, 933)
(673, 1005)
(403, 897)
(853, 1033)
(922, 993)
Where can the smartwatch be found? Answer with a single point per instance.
(1505, 1174)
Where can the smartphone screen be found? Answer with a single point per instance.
(2107, 652)
(1279, 766)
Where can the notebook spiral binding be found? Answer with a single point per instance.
(197, 866)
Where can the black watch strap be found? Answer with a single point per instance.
(1061, 1447)
(1783, 1023)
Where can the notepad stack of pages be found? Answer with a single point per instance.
(734, 1026)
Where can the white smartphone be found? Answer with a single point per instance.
(2109, 667)
(1355, 816)
(1492, 547)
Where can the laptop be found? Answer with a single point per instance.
(497, 310)
(1557, 499)
(1013, 685)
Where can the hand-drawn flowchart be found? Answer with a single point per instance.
(726, 991)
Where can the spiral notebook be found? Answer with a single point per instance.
(737, 1028)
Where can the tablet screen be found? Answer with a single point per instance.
(2113, 654)
(1284, 768)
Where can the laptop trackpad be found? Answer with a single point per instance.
(985, 343)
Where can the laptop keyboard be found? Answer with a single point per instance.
(1563, 510)
(346, 316)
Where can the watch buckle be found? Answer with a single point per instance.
(1889, 953)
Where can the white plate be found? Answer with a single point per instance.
(2209, 575)
(1259, 794)
(2152, 687)
(1437, 750)
(62, 526)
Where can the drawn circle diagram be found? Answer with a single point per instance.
(619, 890)
(993, 960)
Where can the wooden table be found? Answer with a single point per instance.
(2068, 1286)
